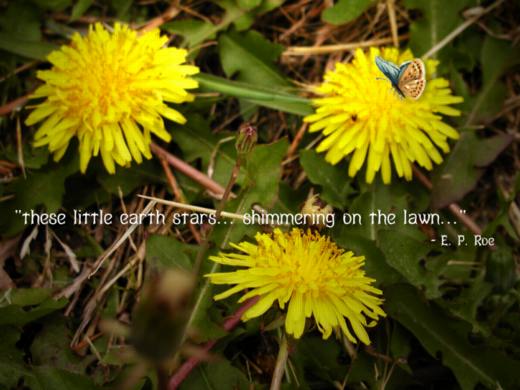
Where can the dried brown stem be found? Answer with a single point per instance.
(177, 192)
(457, 31)
(21, 68)
(296, 141)
(171, 12)
(188, 170)
(7, 108)
(390, 4)
(279, 368)
(326, 49)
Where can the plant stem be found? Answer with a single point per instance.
(281, 361)
(188, 170)
(457, 31)
(193, 208)
(218, 213)
(205, 246)
(162, 378)
(182, 373)
(171, 12)
(326, 49)
(14, 105)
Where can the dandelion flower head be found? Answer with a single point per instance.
(309, 273)
(360, 115)
(109, 90)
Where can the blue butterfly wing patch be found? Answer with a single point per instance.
(390, 70)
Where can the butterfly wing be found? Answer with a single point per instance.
(390, 70)
(412, 79)
(413, 89)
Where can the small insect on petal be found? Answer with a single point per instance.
(378, 114)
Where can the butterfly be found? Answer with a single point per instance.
(409, 79)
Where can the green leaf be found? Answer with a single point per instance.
(256, 94)
(29, 49)
(248, 4)
(121, 7)
(80, 8)
(321, 357)
(263, 173)
(333, 179)
(374, 197)
(405, 254)
(250, 58)
(345, 11)
(438, 18)
(263, 170)
(29, 296)
(43, 378)
(33, 158)
(21, 20)
(501, 268)
(242, 18)
(128, 179)
(362, 371)
(376, 265)
(242, 13)
(96, 194)
(219, 375)
(206, 325)
(17, 315)
(194, 31)
(496, 57)
(168, 252)
(289, 199)
(53, 5)
(465, 305)
(400, 342)
(51, 348)
(197, 141)
(12, 366)
(267, 5)
(438, 334)
(464, 166)
(48, 183)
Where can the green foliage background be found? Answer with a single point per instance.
(454, 318)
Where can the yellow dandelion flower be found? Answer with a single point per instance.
(310, 273)
(360, 114)
(109, 90)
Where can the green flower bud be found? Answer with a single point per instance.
(246, 139)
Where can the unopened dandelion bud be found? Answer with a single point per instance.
(246, 139)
